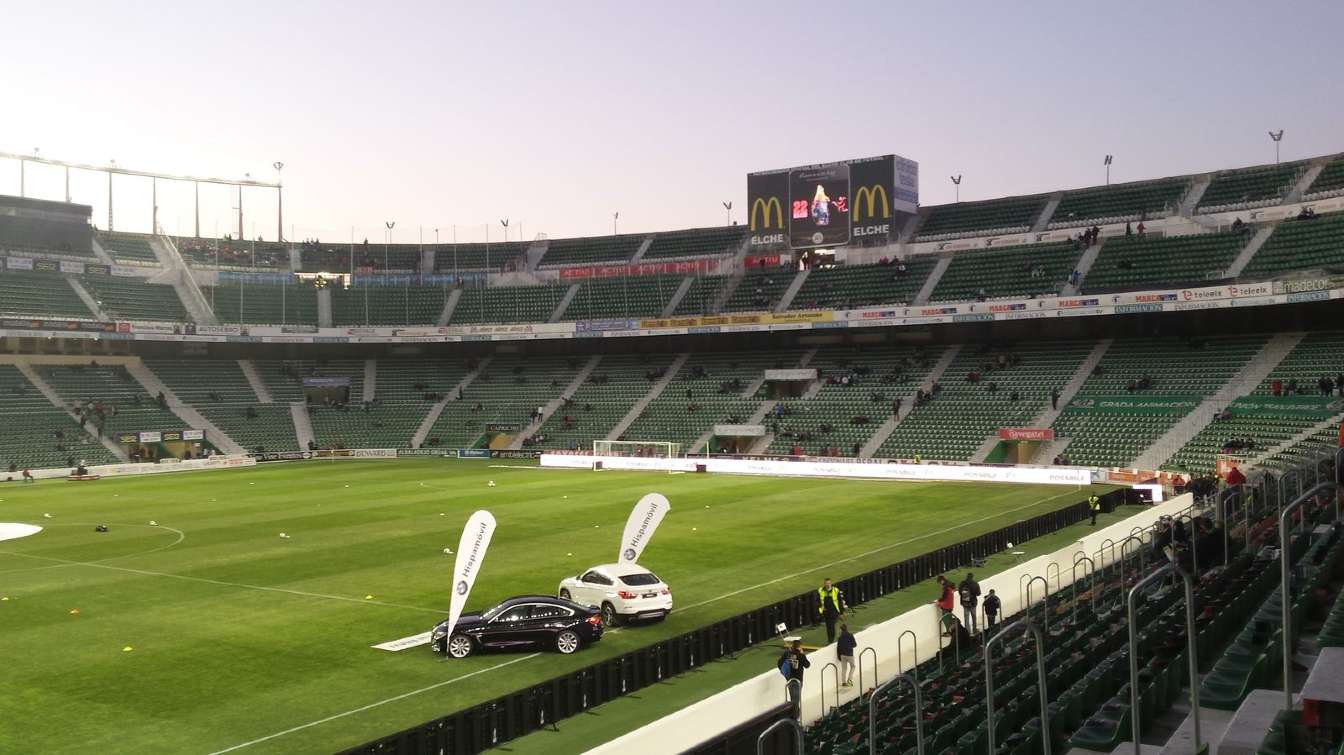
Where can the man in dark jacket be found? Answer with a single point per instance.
(844, 648)
(794, 662)
(969, 592)
(992, 606)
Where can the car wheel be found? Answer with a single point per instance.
(567, 642)
(609, 615)
(459, 646)
(565, 594)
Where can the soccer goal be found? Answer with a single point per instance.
(654, 448)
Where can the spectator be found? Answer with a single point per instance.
(793, 664)
(945, 599)
(845, 648)
(1129, 230)
(992, 606)
(969, 591)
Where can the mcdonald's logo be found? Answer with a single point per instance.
(871, 193)
(765, 206)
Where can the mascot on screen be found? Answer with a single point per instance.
(821, 207)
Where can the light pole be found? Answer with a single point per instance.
(614, 217)
(956, 181)
(505, 222)
(1277, 136)
(728, 206)
(110, 170)
(1107, 163)
(279, 202)
(387, 240)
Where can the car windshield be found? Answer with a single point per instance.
(638, 580)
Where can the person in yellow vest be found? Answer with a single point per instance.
(831, 608)
(1094, 506)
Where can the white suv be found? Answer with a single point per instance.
(622, 591)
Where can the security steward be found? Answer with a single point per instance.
(1094, 505)
(831, 607)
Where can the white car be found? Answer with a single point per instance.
(622, 592)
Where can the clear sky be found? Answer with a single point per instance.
(556, 115)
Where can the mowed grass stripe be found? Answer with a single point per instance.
(215, 666)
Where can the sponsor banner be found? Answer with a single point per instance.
(47, 266)
(375, 453)
(283, 456)
(1303, 285)
(597, 326)
(976, 317)
(19, 263)
(512, 454)
(797, 374)
(219, 330)
(743, 431)
(473, 453)
(502, 427)
(423, 452)
(1075, 303)
(644, 518)
(764, 260)
(1309, 296)
(1134, 404)
(1314, 406)
(405, 643)
(265, 279)
(178, 465)
(1129, 309)
(471, 549)
(298, 328)
(171, 435)
(193, 435)
(127, 438)
(682, 267)
(1026, 433)
(769, 467)
(70, 266)
(97, 269)
(150, 436)
(326, 382)
(820, 315)
(124, 271)
(149, 327)
(403, 279)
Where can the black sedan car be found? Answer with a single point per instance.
(527, 621)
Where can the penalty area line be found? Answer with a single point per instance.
(371, 706)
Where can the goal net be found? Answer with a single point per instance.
(654, 448)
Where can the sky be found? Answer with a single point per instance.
(556, 116)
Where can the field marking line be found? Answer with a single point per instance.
(875, 550)
(180, 537)
(370, 706)
(301, 593)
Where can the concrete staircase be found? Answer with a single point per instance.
(677, 296)
(295, 258)
(370, 379)
(1048, 211)
(1084, 267)
(643, 247)
(935, 275)
(1248, 251)
(1191, 198)
(535, 251)
(885, 429)
(87, 298)
(1048, 451)
(1256, 370)
(655, 391)
(254, 379)
(551, 406)
(324, 307)
(758, 416)
(1304, 181)
(560, 308)
(50, 393)
(912, 226)
(794, 287)
(432, 416)
(1070, 389)
(983, 450)
(449, 305)
(427, 259)
(1325, 424)
(726, 289)
(185, 412)
(303, 426)
(188, 291)
(101, 253)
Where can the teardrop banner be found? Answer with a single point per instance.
(470, 555)
(644, 519)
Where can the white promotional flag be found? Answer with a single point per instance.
(644, 519)
(470, 553)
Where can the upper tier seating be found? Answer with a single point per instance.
(129, 247)
(1013, 271)
(615, 385)
(345, 258)
(31, 424)
(994, 216)
(263, 304)
(133, 299)
(1128, 262)
(218, 390)
(697, 242)
(388, 305)
(953, 425)
(631, 296)
(49, 236)
(699, 298)
(504, 255)
(851, 286)
(759, 291)
(587, 251)
(1118, 203)
(1330, 182)
(39, 295)
(226, 253)
(507, 304)
(1260, 186)
(1300, 245)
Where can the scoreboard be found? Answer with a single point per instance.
(831, 204)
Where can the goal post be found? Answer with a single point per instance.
(653, 448)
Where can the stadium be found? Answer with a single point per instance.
(680, 488)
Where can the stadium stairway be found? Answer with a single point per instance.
(559, 313)
(677, 296)
(436, 409)
(25, 367)
(930, 283)
(449, 305)
(885, 429)
(654, 392)
(642, 250)
(1193, 194)
(1248, 251)
(193, 299)
(101, 253)
(1047, 212)
(1255, 370)
(370, 379)
(1085, 264)
(795, 286)
(87, 298)
(1048, 416)
(254, 379)
(303, 425)
(1330, 423)
(187, 413)
(1306, 179)
(549, 408)
(324, 319)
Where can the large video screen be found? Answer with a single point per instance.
(832, 204)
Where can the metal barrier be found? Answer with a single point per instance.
(1287, 598)
(1138, 549)
(1192, 649)
(919, 713)
(1046, 601)
(798, 703)
(900, 662)
(1237, 495)
(1192, 540)
(862, 653)
(789, 722)
(1091, 570)
(1027, 626)
(835, 671)
(1059, 581)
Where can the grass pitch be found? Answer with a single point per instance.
(241, 639)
